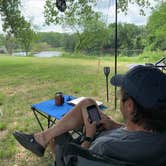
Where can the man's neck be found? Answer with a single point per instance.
(130, 126)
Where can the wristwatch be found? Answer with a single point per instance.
(88, 139)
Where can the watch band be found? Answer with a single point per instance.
(88, 139)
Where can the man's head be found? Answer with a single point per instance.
(144, 95)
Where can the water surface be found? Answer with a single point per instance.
(41, 54)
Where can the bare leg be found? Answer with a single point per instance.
(75, 118)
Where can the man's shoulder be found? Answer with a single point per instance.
(121, 135)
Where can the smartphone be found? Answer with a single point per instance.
(93, 113)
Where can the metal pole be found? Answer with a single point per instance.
(107, 89)
(107, 72)
(116, 36)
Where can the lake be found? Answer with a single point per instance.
(41, 54)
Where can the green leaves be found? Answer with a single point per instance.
(143, 4)
(15, 24)
(157, 28)
(78, 16)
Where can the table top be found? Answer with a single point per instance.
(48, 107)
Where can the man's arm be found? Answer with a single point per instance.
(90, 132)
(107, 123)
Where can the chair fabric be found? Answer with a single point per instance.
(75, 155)
(68, 152)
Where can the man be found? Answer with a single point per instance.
(143, 137)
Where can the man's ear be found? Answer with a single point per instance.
(129, 104)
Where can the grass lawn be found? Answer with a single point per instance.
(27, 80)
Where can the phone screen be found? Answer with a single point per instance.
(93, 113)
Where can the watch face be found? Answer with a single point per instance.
(89, 139)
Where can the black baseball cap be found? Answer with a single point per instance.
(146, 84)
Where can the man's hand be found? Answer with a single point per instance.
(108, 123)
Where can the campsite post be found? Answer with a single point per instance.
(106, 72)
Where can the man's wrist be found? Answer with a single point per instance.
(85, 144)
(88, 139)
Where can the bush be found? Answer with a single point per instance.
(40, 47)
(152, 56)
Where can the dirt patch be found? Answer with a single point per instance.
(3, 133)
(21, 155)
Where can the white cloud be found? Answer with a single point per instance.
(0, 25)
(107, 7)
(33, 10)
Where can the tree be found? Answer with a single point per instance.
(25, 37)
(80, 13)
(131, 39)
(77, 15)
(52, 38)
(14, 24)
(157, 28)
(42, 46)
(9, 43)
(124, 4)
(95, 36)
(1, 40)
(69, 42)
(77, 8)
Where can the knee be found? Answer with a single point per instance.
(87, 102)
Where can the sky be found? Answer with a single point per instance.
(33, 9)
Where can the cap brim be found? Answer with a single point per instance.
(117, 80)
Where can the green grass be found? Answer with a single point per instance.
(27, 80)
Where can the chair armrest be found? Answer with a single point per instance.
(75, 155)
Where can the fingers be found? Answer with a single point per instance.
(105, 117)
